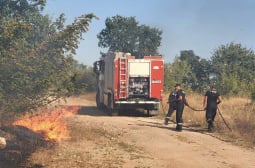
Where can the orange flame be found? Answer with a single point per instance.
(50, 123)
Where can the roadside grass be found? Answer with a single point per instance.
(97, 146)
(238, 113)
(91, 145)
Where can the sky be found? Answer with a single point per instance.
(198, 25)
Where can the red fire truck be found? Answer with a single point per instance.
(125, 82)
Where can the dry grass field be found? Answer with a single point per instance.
(83, 136)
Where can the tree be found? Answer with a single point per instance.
(235, 66)
(84, 79)
(199, 69)
(179, 73)
(149, 39)
(36, 62)
(168, 82)
(124, 34)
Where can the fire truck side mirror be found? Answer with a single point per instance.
(98, 67)
(95, 68)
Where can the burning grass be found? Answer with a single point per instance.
(49, 123)
(93, 143)
(238, 112)
(31, 132)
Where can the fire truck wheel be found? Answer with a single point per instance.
(114, 112)
(148, 112)
(98, 103)
(152, 113)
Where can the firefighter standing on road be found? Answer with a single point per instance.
(178, 105)
(211, 100)
(172, 101)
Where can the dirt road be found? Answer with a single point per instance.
(133, 141)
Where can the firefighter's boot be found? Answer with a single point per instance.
(179, 127)
(167, 119)
(210, 125)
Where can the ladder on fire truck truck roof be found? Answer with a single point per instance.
(123, 77)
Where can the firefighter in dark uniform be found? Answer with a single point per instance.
(211, 100)
(172, 105)
(178, 105)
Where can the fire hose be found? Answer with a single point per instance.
(194, 108)
(227, 125)
(223, 119)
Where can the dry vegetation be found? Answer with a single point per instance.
(88, 136)
(238, 113)
(91, 145)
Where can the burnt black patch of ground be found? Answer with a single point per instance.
(21, 143)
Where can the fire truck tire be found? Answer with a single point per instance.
(99, 104)
(114, 112)
(152, 113)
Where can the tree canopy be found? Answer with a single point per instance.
(231, 69)
(235, 67)
(126, 35)
(36, 54)
(200, 69)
